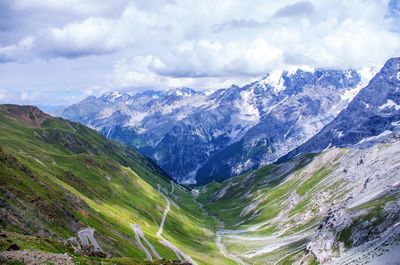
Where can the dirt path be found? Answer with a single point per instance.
(87, 238)
(167, 209)
(179, 253)
(140, 235)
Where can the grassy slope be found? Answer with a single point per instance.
(59, 177)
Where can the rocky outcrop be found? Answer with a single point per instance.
(373, 113)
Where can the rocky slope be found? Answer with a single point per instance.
(65, 188)
(374, 113)
(338, 207)
(200, 136)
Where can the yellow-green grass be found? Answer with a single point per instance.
(55, 186)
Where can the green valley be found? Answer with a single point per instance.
(71, 196)
(59, 177)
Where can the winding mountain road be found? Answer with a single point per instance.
(179, 253)
(86, 236)
(140, 235)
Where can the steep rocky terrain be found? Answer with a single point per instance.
(66, 189)
(198, 136)
(333, 200)
(374, 113)
(338, 207)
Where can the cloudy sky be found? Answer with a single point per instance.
(57, 52)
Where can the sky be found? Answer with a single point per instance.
(57, 52)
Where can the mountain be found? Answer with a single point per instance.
(65, 188)
(373, 113)
(341, 206)
(54, 111)
(333, 200)
(200, 136)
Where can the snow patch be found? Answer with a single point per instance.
(275, 80)
(366, 74)
(376, 137)
(389, 104)
(136, 118)
(247, 109)
(351, 93)
(107, 112)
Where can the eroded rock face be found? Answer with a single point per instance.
(373, 113)
(374, 225)
(338, 207)
(365, 224)
(325, 246)
(342, 233)
(30, 115)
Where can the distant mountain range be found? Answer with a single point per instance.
(201, 136)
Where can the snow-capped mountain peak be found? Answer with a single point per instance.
(274, 80)
(195, 135)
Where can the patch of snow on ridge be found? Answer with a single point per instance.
(112, 96)
(275, 80)
(372, 138)
(389, 104)
(351, 93)
(105, 113)
(136, 119)
(248, 111)
(366, 74)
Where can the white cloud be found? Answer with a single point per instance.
(21, 50)
(96, 35)
(29, 95)
(353, 45)
(330, 43)
(80, 7)
(3, 94)
(216, 59)
(209, 43)
(298, 9)
(136, 73)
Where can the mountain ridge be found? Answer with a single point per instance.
(373, 111)
(155, 122)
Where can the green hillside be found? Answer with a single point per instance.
(58, 177)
